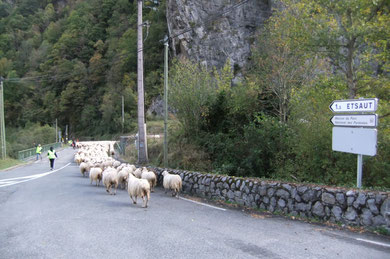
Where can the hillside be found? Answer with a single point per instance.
(73, 60)
(250, 82)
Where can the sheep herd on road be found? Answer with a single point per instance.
(94, 158)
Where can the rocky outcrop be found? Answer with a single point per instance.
(210, 32)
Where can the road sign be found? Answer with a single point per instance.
(357, 105)
(354, 140)
(355, 120)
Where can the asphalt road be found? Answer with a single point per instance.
(58, 214)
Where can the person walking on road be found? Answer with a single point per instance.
(52, 155)
(39, 151)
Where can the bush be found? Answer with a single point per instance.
(23, 138)
(308, 155)
(250, 152)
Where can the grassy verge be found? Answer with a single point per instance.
(9, 162)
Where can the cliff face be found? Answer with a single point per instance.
(215, 30)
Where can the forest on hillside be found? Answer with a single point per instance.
(74, 60)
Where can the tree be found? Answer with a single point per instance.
(280, 67)
(191, 91)
(341, 32)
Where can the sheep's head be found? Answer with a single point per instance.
(165, 173)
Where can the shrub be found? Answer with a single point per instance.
(23, 138)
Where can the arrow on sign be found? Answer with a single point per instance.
(358, 105)
(356, 120)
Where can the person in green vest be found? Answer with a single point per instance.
(39, 151)
(51, 154)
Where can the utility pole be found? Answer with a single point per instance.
(2, 121)
(166, 44)
(66, 133)
(123, 113)
(56, 132)
(142, 149)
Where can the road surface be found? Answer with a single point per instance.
(58, 214)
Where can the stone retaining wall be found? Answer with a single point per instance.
(351, 207)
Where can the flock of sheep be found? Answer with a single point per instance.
(94, 158)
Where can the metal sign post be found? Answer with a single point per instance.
(359, 171)
(357, 134)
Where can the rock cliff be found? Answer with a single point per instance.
(210, 32)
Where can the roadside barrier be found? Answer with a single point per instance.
(31, 152)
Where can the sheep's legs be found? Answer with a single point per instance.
(145, 202)
(116, 187)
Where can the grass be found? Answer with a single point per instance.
(9, 162)
(155, 147)
(381, 231)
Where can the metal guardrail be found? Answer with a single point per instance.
(27, 153)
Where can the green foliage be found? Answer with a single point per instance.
(191, 93)
(343, 33)
(250, 153)
(28, 137)
(76, 62)
(310, 141)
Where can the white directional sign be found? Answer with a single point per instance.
(357, 105)
(355, 120)
(354, 140)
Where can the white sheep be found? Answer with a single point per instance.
(95, 174)
(123, 176)
(151, 177)
(77, 159)
(138, 187)
(107, 164)
(110, 178)
(84, 168)
(172, 182)
(116, 164)
(137, 172)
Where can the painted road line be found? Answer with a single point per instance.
(19, 178)
(29, 178)
(373, 242)
(203, 204)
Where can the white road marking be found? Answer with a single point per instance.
(13, 181)
(373, 242)
(203, 204)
